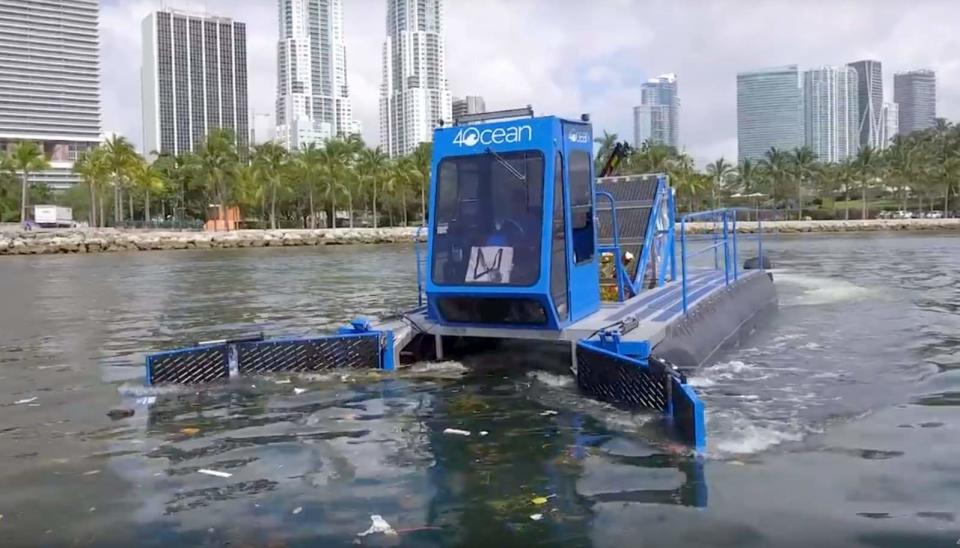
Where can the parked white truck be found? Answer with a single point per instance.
(51, 216)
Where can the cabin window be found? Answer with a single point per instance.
(581, 207)
(558, 259)
(489, 219)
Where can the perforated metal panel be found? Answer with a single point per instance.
(621, 380)
(309, 355)
(634, 196)
(189, 366)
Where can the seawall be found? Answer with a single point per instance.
(43, 242)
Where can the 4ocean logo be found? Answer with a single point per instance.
(471, 136)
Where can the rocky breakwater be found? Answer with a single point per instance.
(45, 242)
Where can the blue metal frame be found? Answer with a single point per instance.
(726, 239)
(358, 328)
(637, 353)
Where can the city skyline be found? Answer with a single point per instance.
(557, 76)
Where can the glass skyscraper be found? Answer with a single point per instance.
(915, 93)
(313, 98)
(657, 118)
(870, 102)
(769, 111)
(50, 83)
(194, 79)
(414, 96)
(830, 112)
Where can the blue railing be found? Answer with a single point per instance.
(722, 240)
(420, 265)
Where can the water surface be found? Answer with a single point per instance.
(835, 425)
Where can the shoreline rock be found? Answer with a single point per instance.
(47, 242)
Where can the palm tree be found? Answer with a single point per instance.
(774, 163)
(27, 157)
(866, 165)
(120, 157)
(269, 161)
(92, 166)
(747, 176)
(370, 167)
(336, 162)
(419, 174)
(216, 164)
(606, 142)
(150, 180)
(802, 164)
(718, 172)
(309, 165)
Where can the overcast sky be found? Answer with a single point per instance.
(570, 56)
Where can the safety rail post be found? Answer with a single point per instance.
(736, 258)
(726, 250)
(716, 251)
(683, 262)
(416, 250)
(672, 216)
(760, 241)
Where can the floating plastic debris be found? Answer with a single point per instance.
(379, 525)
(539, 500)
(117, 414)
(91, 473)
(548, 413)
(190, 431)
(456, 432)
(299, 391)
(216, 473)
(297, 510)
(484, 432)
(27, 400)
(536, 517)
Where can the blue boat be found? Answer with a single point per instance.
(525, 244)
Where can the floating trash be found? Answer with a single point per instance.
(216, 473)
(536, 517)
(27, 400)
(379, 525)
(456, 432)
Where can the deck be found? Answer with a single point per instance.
(655, 309)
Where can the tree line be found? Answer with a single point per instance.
(917, 171)
(314, 186)
(342, 181)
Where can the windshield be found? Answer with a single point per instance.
(489, 215)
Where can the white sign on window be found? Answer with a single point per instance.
(490, 264)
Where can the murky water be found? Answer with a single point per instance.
(836, 425)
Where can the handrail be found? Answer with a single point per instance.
(724, 234)
(416, 250)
